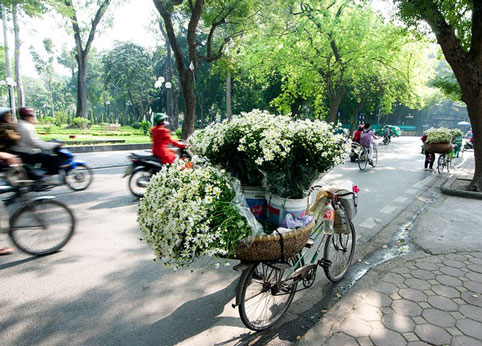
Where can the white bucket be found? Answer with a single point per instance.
(279, 207)
(256, 199)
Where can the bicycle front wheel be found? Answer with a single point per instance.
(42, 227)
(338, 254)
(441, 163)
(375, 157)
(265, 295)
(80, 177)
(363, 160)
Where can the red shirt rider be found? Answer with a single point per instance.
(161, 138)
(357, 134)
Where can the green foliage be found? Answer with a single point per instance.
(136, 125)
(456, 133)
(80, 123)
(178, 132)
(47, 120)
(145, 126)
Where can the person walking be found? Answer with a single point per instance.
(429, 157)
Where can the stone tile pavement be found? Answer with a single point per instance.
(417, 299)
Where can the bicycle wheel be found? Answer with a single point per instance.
(79, 178)
(265, 295)
(441, 163)
(375, 157)
(138, 182)
(363, 160)
(339, 251)
(42, 227)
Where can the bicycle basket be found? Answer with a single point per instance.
(278, 245)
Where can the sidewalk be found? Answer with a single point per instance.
(431, 296)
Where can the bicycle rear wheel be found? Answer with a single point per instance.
(42, 227)
(265, 295)
(363, 159)
(80, 177)
(338, 254)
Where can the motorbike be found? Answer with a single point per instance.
(468, 145)
(76, 174)
(355, 151)
(143, 167)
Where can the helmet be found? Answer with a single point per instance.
(25, 112)
(159, 118)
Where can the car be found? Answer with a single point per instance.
(395, 131)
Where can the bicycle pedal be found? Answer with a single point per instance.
(309, 243)
(324, 263)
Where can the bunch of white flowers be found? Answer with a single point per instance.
(439, 135)
(189, 213)
(285, 154)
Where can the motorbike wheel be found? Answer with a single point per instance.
(79, 178)
(138, 182)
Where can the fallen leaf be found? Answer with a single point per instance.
(384, 246)
(324, 311)
(367, 263)
(338, 295)
(475, 296)
(298, 338)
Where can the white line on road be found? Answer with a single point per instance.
(388, 209)
(370, 222)
(400, 199)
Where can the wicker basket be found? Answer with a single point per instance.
(438, 148)
(274, 247)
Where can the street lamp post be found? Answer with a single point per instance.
(108, 104)
(168, 85)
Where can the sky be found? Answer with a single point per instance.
(130, 21)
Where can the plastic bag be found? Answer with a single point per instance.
(242, 206)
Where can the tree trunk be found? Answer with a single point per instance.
(474, 108)
(335, 102)
(82, 86)
(18, 43)
(229, 111)
(8, 64)
(175, 116)
(189, 103)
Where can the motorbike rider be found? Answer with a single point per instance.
(387, 133)
(29, 145)
(161, 138)
(357, 134)
(366, 140)
(8, 130)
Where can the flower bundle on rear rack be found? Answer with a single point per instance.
(283, 154)
(439, 140)
(189, 213)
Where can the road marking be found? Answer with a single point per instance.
(370, 222)
(400, 199)
(388, 209)
(411, 191)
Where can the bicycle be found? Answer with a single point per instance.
(363, 158)
(266, 289)
(444, 162)
(42, 225)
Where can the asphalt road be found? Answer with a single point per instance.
(104, 288)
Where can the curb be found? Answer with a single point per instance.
(111, 147)
(446, 189)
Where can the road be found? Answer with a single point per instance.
(104, 288)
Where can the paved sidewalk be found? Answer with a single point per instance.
(431, 296)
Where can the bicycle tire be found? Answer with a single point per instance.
(440, 163)
(81, 173)
(375, 157)
(335, 241)
(26, 221)
(266, 279)
(363, 160)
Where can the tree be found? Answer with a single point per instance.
(45, 67)
(83, 49)
(8, 65)
(213, 15)
(457, 26)
(128, 76)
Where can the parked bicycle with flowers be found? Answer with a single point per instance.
(189, 213)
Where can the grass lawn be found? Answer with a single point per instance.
(95, 133)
